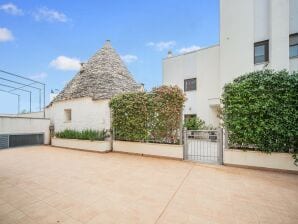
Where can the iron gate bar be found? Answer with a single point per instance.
(203, 145)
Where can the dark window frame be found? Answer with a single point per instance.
(185, 85)
(292, 45)
(189, 116)
(67, 115)
(266, 53)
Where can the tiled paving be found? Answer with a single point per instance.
(53, 185)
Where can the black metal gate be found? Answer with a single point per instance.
(204, 146)
(15, 140)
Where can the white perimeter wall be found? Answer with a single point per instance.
(203, 65)
(85, 114)
(21, 125)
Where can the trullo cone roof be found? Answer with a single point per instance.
(102, 77)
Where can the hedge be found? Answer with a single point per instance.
(148, 116)
(86, 134)
(260, 111)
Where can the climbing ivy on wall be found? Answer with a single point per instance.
(148, 116)
(261, 111)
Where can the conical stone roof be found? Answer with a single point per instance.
(102, 77)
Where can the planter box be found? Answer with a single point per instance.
(278, 161)
(98, 146)
(152, 149)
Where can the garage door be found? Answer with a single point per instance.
(15, 140)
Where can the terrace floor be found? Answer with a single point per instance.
(45, 184)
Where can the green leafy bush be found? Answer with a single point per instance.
(86, 134)
(261, 111)
(153, 116)
(194, 124)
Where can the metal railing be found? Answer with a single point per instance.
(16, 85)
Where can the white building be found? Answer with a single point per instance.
(254, 34)
(84, 102)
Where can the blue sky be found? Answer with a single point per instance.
(45, 40)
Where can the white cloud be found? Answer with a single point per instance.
(162, 45)
(11, 9)
(50, 15)
(189, 49)
(66, 63)
(39, 76)
(129, 58)
(5, 35)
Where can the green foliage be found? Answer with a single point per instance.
(86, 134)
(153, 116)
(261, 111)
(194, 124)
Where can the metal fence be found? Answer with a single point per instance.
(204, 145)
(27, 91)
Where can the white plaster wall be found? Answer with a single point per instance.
(203, 65)
(153, 149)
(85, 114)
(244, 22)
(261, 20)
(21, 125)
(293, 21)
(281, 161)
(236, 38)
(293, 27)
(279, 34)
(98, 146)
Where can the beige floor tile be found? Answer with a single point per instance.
(52, 185)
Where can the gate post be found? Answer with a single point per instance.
(220, 146)
(184, 143)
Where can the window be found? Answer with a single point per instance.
(294, 45)
(261, 52)
(190, 84)
(67, 115)
(189, 116)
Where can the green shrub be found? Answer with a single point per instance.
(86, 134)
(153, 116)
(261, 111)
(194, 124)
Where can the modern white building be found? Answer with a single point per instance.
(254, 34)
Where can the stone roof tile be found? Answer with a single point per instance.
(102, 77)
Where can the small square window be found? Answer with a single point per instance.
(294, 45)
(67, 115)
(190, 84)
(261, 52)
(189, 116)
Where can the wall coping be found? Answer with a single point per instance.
(150, 143)
(255, 151)
(20, 117)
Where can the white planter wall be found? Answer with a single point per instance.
(280, 161)
(98, 146)
(152, 149)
